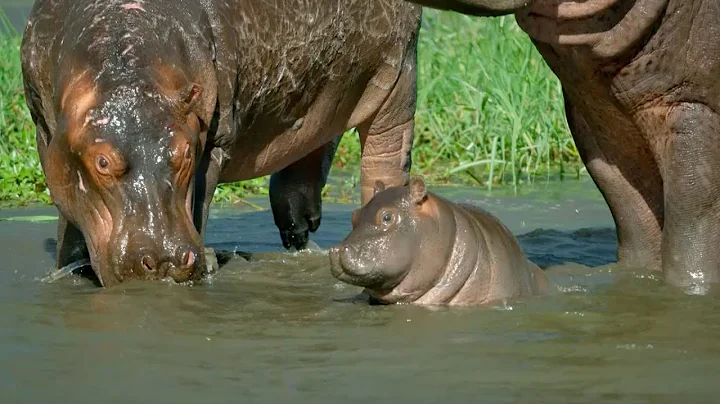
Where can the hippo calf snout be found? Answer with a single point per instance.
(344, 259)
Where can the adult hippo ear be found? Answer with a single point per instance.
(189, 96)
(379, 187)
(418, 192)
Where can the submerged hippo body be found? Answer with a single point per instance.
(142, 107)
(641, 82)
(411, 246)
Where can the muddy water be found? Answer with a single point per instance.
(275, 329)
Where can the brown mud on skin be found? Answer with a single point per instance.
(143, 107)
(642, 99)
(411, 246)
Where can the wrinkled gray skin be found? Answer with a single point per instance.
(411, 246)
(142, 107)
(641, 81)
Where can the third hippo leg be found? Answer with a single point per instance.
(386, 140)
(629, 180)
(691, 235)
(295, 195)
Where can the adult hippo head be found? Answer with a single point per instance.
(120, 168)
(122, 110)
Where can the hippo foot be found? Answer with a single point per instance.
(294, 240)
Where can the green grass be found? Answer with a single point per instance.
(489, 112)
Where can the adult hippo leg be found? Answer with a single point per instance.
(295, 195)
(636, 206)
(206, 180)
(386, 139)
(691, 235)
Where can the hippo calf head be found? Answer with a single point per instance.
(120, 167)
(389, 239)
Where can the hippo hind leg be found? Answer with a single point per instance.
(691, 232)
(622, 166)
(295, 195)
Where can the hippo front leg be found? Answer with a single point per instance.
(386, 140)
(206, 179)
(691, 232)
(295, 195)
(71, 246)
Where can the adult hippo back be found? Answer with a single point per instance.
(143, 107)
(641, 81)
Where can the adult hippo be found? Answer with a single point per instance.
(142, 107)
(641, 82)
(411, 246)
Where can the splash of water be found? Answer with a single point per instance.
(65, 271)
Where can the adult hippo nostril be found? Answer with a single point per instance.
(149, 264)
(189, 258)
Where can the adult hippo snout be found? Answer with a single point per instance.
(153, 235)
(122, 173)
(181, 265)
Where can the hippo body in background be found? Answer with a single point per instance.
(142, 107)
(411, 246)
(641, 82)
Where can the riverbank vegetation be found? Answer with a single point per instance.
(489, 112)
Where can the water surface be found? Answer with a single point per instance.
(274, 330)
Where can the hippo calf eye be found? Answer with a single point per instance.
(187, 152)
(387, 217)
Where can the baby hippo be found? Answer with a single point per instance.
(411, 246)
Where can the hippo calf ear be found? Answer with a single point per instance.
(355, 217)
(418, 193)
(379, 187)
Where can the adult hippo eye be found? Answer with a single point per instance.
(102, 164)
(188, 155)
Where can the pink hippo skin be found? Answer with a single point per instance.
(411, 246)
